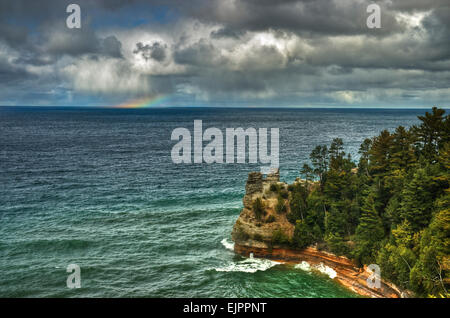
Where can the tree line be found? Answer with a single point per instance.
(391, 208)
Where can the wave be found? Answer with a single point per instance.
(303, 266)
(326, 270)
(249, 265)
(228, 245)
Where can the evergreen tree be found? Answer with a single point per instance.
(363, 165)
(432, 133)
(369, 232)
(307, 172)
(303, 235)
(418, 198)
(336, 154)
(298, 204)
(320, 160)
(395, 211)
(379, 154)
(402, 151)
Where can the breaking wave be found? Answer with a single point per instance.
(326, 270)
(303, 266)
(248, 265)
(228, 245)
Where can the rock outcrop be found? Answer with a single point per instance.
(253, 234)
(249, 230)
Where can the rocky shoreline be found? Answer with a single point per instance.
(347, 274)
(252, 237)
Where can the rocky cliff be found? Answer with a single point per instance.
(251, 231)
(253, 235)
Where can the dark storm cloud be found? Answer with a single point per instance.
(416, 5)
(156, 51)
(14, 36)
(56, 39)
(201, 53)
(290, 52)
(110, 46)
(302, 17)
(227, 33)
(12, 73)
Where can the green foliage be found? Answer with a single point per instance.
(241, 234)
(280, 207)
(274, 187)
(379, 154)
(395, 211)
(307, 172)
(258, 208)
(304, 235)
(319, 158)
(298, 205)
(431, 272)
(280, 238)
(284, 193)
(418, 197)
(336, 244)
(334, 221)
(369, 233)
(432, 134)
(336, 154)
(363, 166)
(403, 235)
(396, 264)
(402, 156)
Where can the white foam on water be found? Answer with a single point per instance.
(326, 270)
(303, 266)
(228, 245)
(249, 265)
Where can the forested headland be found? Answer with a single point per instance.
(392, 208)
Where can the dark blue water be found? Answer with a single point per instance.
(97, 188)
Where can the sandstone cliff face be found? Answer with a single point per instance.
(253, 236)
(252, 231)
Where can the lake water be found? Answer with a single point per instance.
(97, 188)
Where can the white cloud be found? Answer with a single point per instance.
(106, 76)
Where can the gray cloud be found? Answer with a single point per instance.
(227, 33)
(156, 51)
(344, 17)
(214, 51)
(57, 39)
(202, 54)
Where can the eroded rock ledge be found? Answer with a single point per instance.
(253, 235)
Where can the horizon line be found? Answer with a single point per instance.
(231, 107)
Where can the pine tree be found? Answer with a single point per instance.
(418, 198)
(369, 232)
(307, 172)
(320, 160)
(432, 133)
(396, 209)
(402, 151)
(379, 154)
(303, 235)
(336, 154)
(363, 165)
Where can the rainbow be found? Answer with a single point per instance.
(144, 102)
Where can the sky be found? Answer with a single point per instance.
(227, 53)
